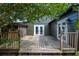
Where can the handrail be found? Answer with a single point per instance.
(72, 40)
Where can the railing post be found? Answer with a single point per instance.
(76, 40)
(61, 41)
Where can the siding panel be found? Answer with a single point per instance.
(30, 29)
(53, 29)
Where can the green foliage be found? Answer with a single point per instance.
(76, 8)
(57, 9)
(77, 25)
(31, 12)
(8, 42)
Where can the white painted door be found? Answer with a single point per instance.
(39, 30)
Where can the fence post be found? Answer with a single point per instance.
(18, 39)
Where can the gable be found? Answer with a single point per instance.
(43, 20)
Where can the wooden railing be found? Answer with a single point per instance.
(69, 41)
(9, 40)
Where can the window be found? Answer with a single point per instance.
(63, 29)
(41, 30)
(59, 30)
(64, 23)
(36, 30)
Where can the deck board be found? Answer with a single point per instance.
(42, 44)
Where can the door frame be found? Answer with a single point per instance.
(38, 30)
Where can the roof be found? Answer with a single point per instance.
(20, 21)
(21, 24)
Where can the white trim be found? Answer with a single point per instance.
(61, 25)
(62, 20)
(38, 29)
(66, 30)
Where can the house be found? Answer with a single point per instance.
(66, 23)
(39, 27)
(46, 26)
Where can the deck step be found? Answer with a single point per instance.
(40, 54)
(40, 50)
(9, 51)
(69, 50)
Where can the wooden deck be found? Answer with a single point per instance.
(39, 44)
(42, 44)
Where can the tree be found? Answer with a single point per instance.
(31, 12)
(76, 8)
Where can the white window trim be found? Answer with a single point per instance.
(66, 30)
(38, 29)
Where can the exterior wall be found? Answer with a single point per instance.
(71, 22)
(46, 29)
(70, 19)
(70, 27)
(62, 27)
(30, 29)
(53, 29)
(42, 21)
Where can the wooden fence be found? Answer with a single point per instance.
(69, 41)
(9, 40)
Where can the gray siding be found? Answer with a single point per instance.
(30, 29)
(70, 27)
(42, 21)
(46, 29)
(53, 29)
